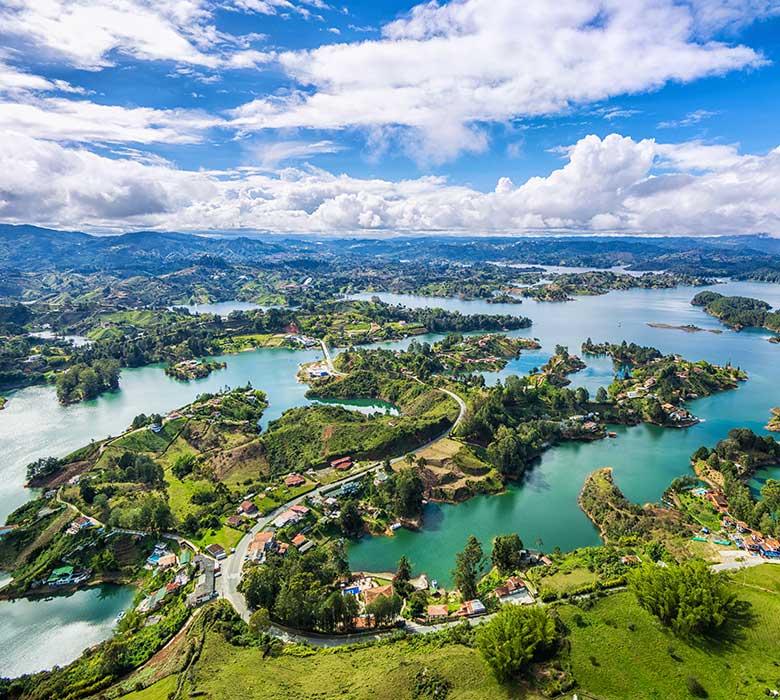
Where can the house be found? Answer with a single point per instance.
(293, 480)
(216, 550)
(349, 489)
(514, 585)
(299, 540)
(289, 516)
(282, 548)
(471, 608)
(630, 560)
(153, 601)
(545, 560)
(342, 464)
(167, 561)
(6, 529)
(79, 524)
(261, 544)
(61, 576)
(301, 510)
(371, 594)
(205, 587)
(234, 521)
(438, 612)
(306, 546)
(247, 508)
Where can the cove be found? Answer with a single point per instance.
(543, 508)
(36, 635)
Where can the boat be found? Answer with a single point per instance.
(612, 434)
(121, 616)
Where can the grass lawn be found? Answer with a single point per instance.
(227, 537)
(701, 511)
(379, 673)
(569, 580)
(638, 663)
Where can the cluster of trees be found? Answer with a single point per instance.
(471, 562)
(517, 635)
(739, 312)
(42, 468)
(299, 590)
(82, 381)
(623, 353)
(689, 598)
(136, 468)
(400, 495)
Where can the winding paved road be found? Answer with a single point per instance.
(227, 583)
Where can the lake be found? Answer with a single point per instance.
(36, 635)
(541, 509)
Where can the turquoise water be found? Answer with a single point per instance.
(542, 509)
(38, 634)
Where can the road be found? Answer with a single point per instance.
(227, 583)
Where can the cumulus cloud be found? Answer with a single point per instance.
(610, 184)
(445, 70)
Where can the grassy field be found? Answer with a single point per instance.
(620, 651)
(374, 673)
(615, 651)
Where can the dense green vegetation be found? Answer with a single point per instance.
(567, 285)
(688, 597)
(81, 382)
(739, 312)
(728, 466)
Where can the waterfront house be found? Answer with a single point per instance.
(437, 612)
(371, 594)
(471, 608)
(514, 585)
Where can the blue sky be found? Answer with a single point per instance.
(468, 116)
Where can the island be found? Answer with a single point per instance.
(687, 328)
(774, 421)
(739, 312)
(655, 387)
(187, 370)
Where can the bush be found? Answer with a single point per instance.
(514, 637)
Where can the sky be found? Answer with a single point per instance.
(384, 116)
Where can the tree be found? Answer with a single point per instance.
(350, 520)
(601, 395)
(408, 493)
(506, 555)
(690, 598)
(402, 576)
(469, 567)
(86, 491)
(384, 609)
(514, 637)
(183, 465)
(259, 621)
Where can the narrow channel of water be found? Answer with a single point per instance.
(36, 635)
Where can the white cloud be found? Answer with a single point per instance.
(81, 120)
(16, 81)
(444, 70)
(690, 119)
(269, 155)
(90, 33)
(613, 184)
